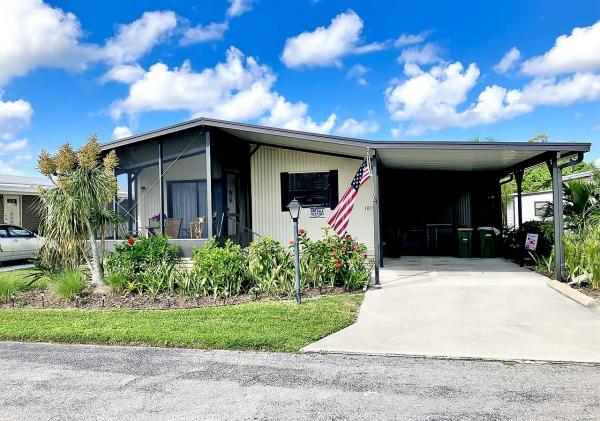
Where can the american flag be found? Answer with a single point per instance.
(341, 214)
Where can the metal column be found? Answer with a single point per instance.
(376, 227)
(160, 188)
(209, 215)
(557, 203)
(520, 232)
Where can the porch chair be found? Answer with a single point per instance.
(172, 227)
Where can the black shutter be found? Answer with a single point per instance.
(285, 187)
(333, 189)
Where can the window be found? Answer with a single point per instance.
(14, 231)
(3, 233)
(12, 202)
(315, 189)
(541, 209)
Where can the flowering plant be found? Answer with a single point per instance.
(157, 217)
(333, 261)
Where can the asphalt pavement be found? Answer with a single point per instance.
(44, 382)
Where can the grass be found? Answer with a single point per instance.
(14, 281)
(69, 283)
(268, 326)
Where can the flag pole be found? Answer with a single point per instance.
(376, 239)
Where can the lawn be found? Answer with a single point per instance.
(269, 326)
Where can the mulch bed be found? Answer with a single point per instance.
(590, 292)
(44, 299)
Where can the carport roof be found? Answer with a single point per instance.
(421, 155)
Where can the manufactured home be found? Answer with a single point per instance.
(207, 177)
(19, 197)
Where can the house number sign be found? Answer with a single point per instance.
(317, 212)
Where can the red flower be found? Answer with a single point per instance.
(130, 241)
(334, 253)
(343, 249)
(291, 242)
(301, 231)
(356, 247)
(349, 237)
(338, 265)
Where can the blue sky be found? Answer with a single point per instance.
(374, 69)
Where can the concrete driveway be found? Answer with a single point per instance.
(468, 308)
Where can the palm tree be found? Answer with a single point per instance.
(75, 209)
(581, 200)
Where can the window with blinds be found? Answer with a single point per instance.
(311, 189)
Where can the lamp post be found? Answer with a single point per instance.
(294, 208)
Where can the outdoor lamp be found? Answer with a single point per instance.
(294, 208)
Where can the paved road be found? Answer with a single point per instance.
(39, 381)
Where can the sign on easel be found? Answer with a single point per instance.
(531, 242)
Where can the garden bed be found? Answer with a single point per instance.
(41, 298)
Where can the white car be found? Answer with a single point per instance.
(18, 243)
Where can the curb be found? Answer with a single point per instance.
(573, 294)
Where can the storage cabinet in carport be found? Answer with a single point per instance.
(487, 243)
(465, 242)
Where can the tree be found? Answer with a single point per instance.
(542, 138)
(75, 209)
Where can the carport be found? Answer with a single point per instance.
(426, 191)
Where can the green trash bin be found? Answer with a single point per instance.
(465, 242)
(487, 243)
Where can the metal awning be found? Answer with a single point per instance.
(410, 155)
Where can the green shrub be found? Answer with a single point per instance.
(333, 261)
(143, 264)
(582, 253)
(220, 271)
(270, 267)
(68, 283)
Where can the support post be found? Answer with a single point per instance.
(297, 261)
(520, 233)
(160, 188)
(209, 215)
(376, 228)
(557, 204)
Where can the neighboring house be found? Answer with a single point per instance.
(238, 178)
(18, 200)
(534, 204)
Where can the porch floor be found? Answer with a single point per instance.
(468, 308)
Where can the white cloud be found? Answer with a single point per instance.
(411, 39)
(13, 146)
(508, 61)
(239, 80)
(197, 34)
(238, 89)
(134, 40)
(358, 72)
(426, 54)
(431, 100)
(34, 34)
(354, 128)
(578, 52)
(238, 7)
(326, 46)
(124, 73)
(14, 116)
(294, 117)
(120, 132)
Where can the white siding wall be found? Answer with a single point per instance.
(528, 208)
(267, 217)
